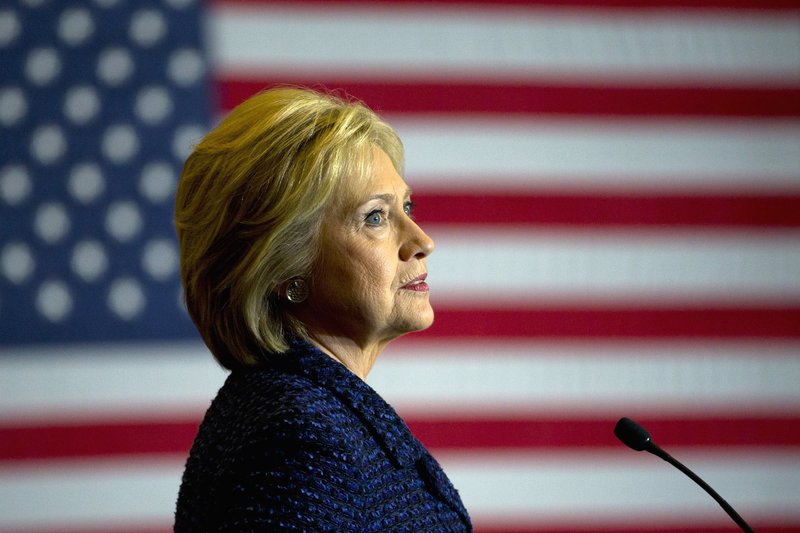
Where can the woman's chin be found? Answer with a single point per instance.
(420, 320)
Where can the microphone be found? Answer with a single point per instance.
(636, 437)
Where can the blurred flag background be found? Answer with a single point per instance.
(613, 187)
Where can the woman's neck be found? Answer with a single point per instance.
(357, 358)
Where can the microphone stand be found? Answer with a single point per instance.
(653, 448)
(636, 437)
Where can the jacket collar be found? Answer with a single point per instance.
(387, 426)
(400, 445)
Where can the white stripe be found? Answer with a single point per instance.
(462, 152)
(79, 381)
(613, 486)
(505, 43)
(90, 493)
(602, 486)
(428, 378)
(435, 379)
(509, 267)
(519, 153)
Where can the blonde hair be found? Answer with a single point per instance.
(249, 207)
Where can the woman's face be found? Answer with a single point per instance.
(369, 285)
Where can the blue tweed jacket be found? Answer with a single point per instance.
(302, 444)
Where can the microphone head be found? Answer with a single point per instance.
(632, 434)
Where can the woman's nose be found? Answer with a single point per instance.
(417, 243)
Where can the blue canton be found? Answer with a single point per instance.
(100, 103)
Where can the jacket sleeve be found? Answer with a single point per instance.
(300, 482)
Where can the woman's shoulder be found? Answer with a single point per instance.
(267, 403)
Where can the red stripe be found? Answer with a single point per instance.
(99, 438)
(762, 5)
(108, 528)
(482, 527)
(548, 99)
(566, 526)
(115, 438)
(476, 433)
(607, 210)
(564, 323)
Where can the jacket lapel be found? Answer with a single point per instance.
(400, 445)
(389, 429)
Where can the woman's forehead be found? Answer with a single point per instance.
(375, 177)
(383, 181)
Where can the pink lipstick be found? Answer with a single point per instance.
(417, 284)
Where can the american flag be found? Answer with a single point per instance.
(613, 187)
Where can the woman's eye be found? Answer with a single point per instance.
(375, 218)
(408, 208)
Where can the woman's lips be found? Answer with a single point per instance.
(417, 284)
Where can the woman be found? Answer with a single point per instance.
(300, 261)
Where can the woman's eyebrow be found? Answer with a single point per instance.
(389, 197)
(386, 197)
